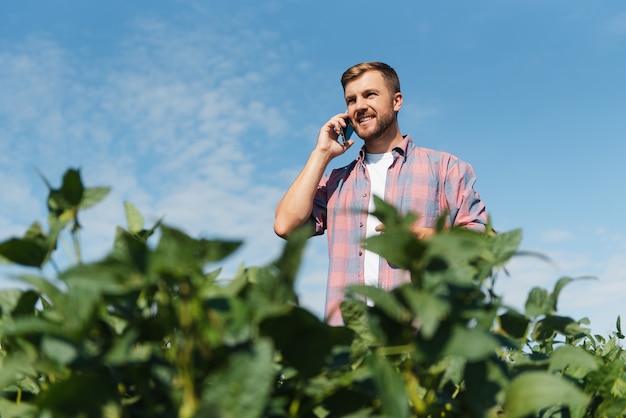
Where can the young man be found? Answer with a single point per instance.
(389, 165)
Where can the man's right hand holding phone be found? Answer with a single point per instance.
(334, 136)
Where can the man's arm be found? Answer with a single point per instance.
(470, 211)
(294, 209)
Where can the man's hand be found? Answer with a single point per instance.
(421, 232)
(295, 207)
(328, 138)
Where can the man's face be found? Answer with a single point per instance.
(371, 105)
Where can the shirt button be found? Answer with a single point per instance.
(361, 224)
(364, 194)
(360, 253)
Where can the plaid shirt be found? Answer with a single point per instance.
(415, 182)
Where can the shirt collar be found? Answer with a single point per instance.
(400, 150)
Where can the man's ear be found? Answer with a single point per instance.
(397, 101)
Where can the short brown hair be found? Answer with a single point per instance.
(389, 74)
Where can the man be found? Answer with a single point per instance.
(389, 165)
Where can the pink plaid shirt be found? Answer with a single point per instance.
(415, 182)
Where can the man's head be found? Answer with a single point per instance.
(373, 99)
(389, 74)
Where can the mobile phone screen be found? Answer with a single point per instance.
(348, 131)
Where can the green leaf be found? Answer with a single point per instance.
(505, 245)
(354, 314)
(471, 344)
(35, 233)
(72, 187)
(530, 392)
(560, 284)
(514, 324)
(230, 320)
(484, 381)
(9, 299)
(602, 381)
(32, 325)
(180, 255)
(235, 286)
(126, 350)
(573, 361)
(61, 351)
(93, 195)
(75, 396)
(130, 249)
(401, 248)
(242, 387)
(268, 293)
(538, 303)
(26, 304)
(391, 217)
(383, 300)
(458, 248)
(68, 314)
(43, 286)
(78, 310)
(55, 227)
(390, 386)
(427, 308)
(13, 410)
(397, 244)
(551, 324)
(311, 350)
(14, 368)
(134, 219)
(451, 369)
(618, 327)
(24, 252)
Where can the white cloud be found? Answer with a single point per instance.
(171, 122)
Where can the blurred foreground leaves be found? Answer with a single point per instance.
(149, 331)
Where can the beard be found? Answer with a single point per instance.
(383, 122)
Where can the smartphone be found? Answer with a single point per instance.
(347, 132)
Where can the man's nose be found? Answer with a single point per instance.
(360, 103)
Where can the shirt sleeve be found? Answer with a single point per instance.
(320, 204)
(465, 205)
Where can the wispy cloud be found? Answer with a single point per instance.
(172, 121)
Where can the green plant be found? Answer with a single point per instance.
(149, 331)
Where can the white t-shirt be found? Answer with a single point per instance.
(377, 166)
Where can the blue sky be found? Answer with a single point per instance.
(203, 112)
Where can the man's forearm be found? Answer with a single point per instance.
(294, 209)
(296, 206)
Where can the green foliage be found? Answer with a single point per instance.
(149, 331)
